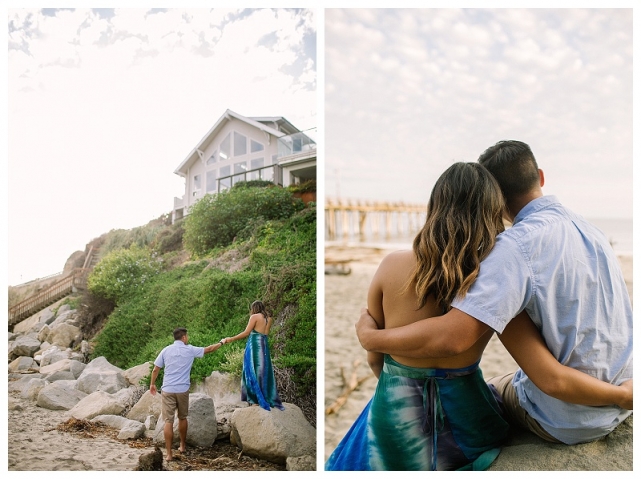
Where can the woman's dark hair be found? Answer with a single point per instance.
(464, 215)
(258, 307)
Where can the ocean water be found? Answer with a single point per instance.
(617, 230)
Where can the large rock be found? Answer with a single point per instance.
(63, 335)
(47, 316)
(60, 365)
(273, 435)
(54, 354)
(33, 388)
(223, 388)
(100, 375)
(525, 451)
(96, 404)
(24, 346)
(22, 363)
(138, 373)
(128, 429)
(58, 396)
(202, 429)
(147, 405)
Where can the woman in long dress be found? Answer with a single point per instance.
(258, 384)
(438, 413)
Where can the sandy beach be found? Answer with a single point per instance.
(345, 295)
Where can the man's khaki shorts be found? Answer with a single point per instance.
(170, 402)
(515, 414)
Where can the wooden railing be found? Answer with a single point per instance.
(24, 309)
(356, 218)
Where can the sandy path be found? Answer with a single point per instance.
(35, 445)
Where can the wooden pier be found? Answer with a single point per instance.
(360, 220)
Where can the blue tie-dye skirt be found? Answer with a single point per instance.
(258, 385)
(423, 419)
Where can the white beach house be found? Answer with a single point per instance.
(239, 148)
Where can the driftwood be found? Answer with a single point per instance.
(349, 387)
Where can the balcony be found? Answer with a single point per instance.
(298, 144)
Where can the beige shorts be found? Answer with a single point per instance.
(515, 414)
(170, 402)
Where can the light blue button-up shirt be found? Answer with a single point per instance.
(564, 273)
(177, 360)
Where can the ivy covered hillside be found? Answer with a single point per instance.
(255, 241)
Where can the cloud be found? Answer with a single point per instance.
(440, 85)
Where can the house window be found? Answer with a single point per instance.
(211, 181)
(197, 185)
(225, 148)
(239, 172)
(255, 164)
(213, 158)
(240, 144)
(255, 146)
(226, 182)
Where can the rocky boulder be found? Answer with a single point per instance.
(58, 396)
(96, 404)
(100, 375)
(202, 430)
(147, 405)
(273, 435)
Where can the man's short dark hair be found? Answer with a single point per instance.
(513, 165)
(179, 333)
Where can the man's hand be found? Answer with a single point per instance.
(364, 326)
(626, 403)
(152, 389)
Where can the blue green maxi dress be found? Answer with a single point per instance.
(423, 419)
(258, 385)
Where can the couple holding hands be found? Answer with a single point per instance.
(258, 386)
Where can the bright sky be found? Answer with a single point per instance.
(104, 104)
(409, 92)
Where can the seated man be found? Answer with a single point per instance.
(563, 273)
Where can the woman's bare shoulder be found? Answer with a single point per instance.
(397, 258)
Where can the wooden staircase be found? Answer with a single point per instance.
(76, 279)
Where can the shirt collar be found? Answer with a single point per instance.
(534, 206)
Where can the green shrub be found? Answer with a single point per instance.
(216, 220)
(121, 272)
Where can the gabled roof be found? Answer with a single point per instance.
(258, 122)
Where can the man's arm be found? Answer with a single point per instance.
(152, 385)
(213, 347)
(436, 337)
(524, 342)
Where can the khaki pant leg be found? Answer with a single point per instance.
(515, 414)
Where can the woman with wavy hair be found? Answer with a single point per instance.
(258, 384)
(439, 413)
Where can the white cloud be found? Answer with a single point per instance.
(449, 83)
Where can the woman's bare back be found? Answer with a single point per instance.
(393, 306)
(262, 323)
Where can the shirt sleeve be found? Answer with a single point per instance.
(160, 360)
(198, 351)
(502, 289)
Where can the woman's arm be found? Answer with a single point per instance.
(524, 342)
(375, 306)
(248, 329)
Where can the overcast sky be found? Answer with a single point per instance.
(104, 104)
(409, 92)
